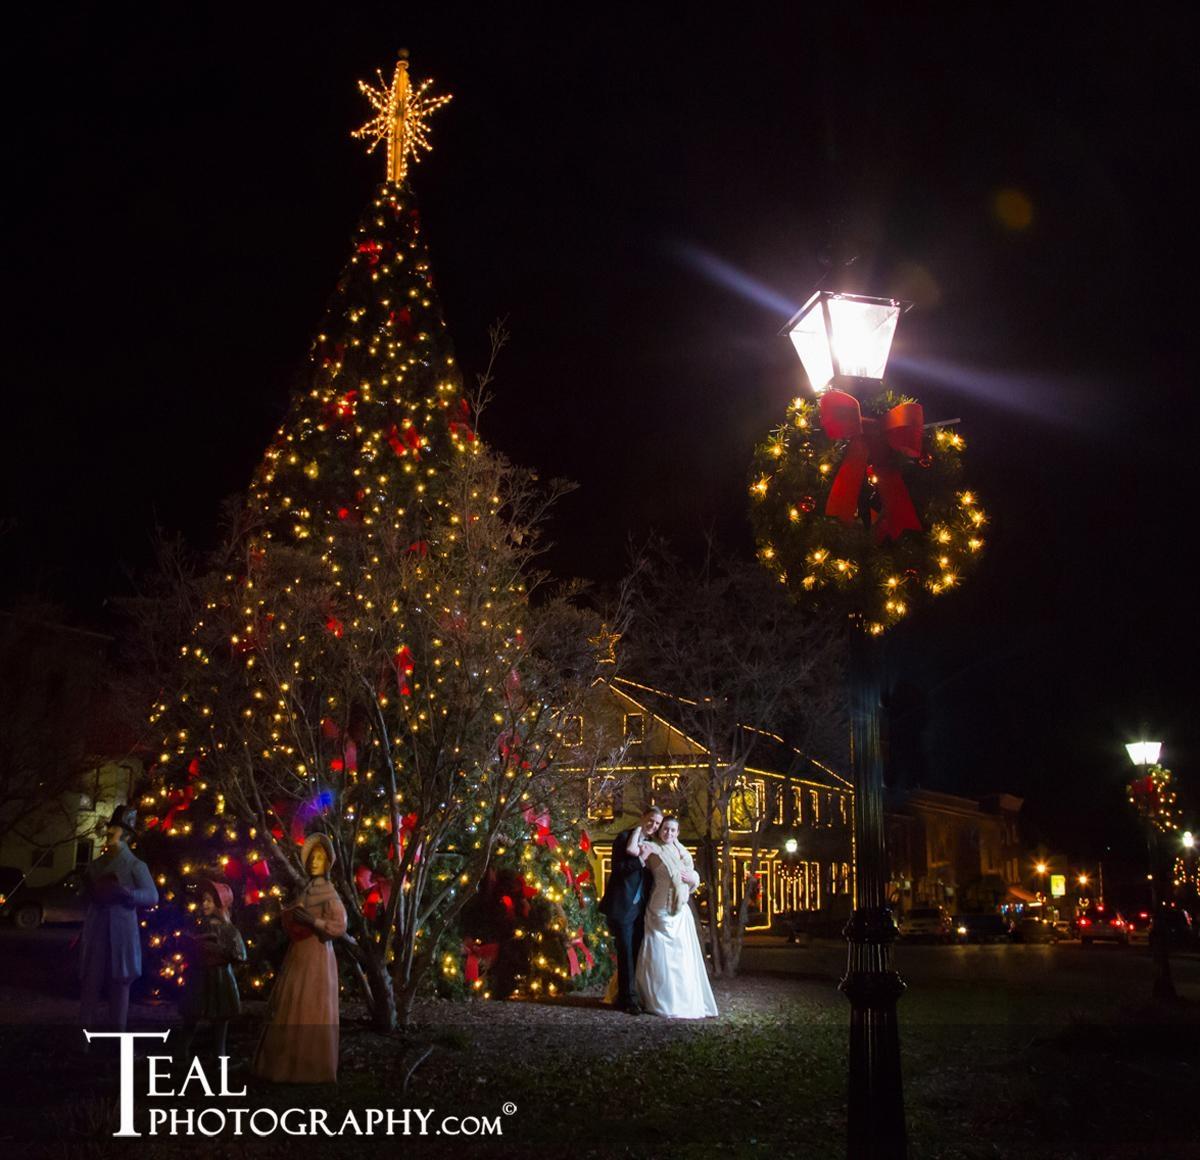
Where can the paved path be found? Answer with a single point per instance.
(1017, 981)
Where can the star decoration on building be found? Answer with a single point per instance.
(401, 118)
(605, 644)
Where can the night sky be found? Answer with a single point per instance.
(183, 189)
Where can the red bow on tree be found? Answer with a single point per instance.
(874, 444)
(373, 250)
(348, 759)
(404, 663)
(478, 955)
(573, 957)
(403, 442)
(460, 427)
(541, 828)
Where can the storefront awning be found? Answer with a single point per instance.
(1016, 894)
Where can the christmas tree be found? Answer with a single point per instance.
(369, 662)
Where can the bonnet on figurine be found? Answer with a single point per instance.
(220, 892)
(310, 844)
(125, 817)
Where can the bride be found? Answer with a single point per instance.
(671, 977)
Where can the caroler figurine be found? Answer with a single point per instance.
(299, 1044)
(210, 990)
(115, 885)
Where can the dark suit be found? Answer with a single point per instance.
(624, 905)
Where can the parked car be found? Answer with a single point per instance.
(30, 906)
(927, 922)
(1179, 926)
(1032, 928)
(1139, 928)
(10, 881)
(981, 928)
(1103, 925)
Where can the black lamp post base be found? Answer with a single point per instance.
(875, 1112)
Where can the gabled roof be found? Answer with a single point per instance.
(771, 753)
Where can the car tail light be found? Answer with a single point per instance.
(1085, 922)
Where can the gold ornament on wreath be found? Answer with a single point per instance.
(861, 507)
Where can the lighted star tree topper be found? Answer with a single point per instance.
(401, 117)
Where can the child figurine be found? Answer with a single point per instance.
(211, 991)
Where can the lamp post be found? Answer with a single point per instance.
(1188, 858)
(844, 341)
(1144, 755)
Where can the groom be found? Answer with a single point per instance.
(624, 905)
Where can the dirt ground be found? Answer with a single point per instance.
(576, 1078)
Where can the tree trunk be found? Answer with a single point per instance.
(406, 997)
(376, 982)
(383, 995)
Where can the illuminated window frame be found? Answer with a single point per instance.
(572, 731)
(635, 727)
(666, 790)
(602, 799)
(749, 793)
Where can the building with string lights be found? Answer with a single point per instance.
(790, 818)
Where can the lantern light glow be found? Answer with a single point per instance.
(844, 336)
(1144, 752)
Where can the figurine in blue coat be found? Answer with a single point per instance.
(115, 885)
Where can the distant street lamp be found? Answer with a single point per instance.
(844, 341)
(1083, 879)
(1188, 839)
(791, 845)
(1144, 755)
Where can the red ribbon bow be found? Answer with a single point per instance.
(404, 663)
(873, 444)
(541, 828)
(405, 442)
(573, 958)
(477, 953)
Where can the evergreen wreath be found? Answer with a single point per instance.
(862, 509)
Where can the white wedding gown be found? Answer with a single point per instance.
(671, 976)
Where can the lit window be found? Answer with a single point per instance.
(572, 733)
(746, 805)
(602, 799)
(665, 790)
(635, 727)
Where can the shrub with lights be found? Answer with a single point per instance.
(532, 930)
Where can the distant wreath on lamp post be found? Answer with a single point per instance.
(862, 508)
